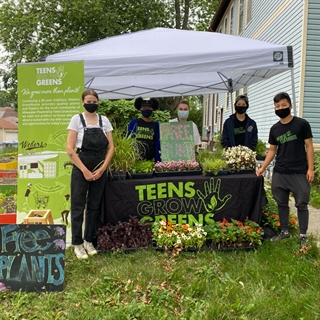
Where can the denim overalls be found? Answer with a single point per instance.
(87, 194)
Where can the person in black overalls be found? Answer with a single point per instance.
(91, 135)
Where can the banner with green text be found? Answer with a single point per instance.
(49, 94)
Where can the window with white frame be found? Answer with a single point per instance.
(215, 109)
(226, 25)
(231, 20)
(227, 102)
(235, 94)
(249, 11)
(244, 91)
(206, 113)
(220, 115)
(240, 16)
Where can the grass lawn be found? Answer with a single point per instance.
(277, 281)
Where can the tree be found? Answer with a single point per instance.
(31, 29)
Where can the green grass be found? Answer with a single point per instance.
(315, 197)
(275, 281)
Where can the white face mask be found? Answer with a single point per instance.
(183, 114)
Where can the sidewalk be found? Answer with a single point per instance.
(314, 220)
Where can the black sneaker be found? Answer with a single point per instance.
(303, 240)
(282, 235)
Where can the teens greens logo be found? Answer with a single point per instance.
(179, 202)
(145, 133)
(288, 136)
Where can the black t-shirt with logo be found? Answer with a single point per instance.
(291, 154)
(146, 136)
(239, 131)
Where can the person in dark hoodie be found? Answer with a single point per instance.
(145, 130)
(239, 128)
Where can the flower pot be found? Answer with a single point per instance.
(178, 173)
(260, 158)
(8, 218)
(220, 173)
(117, 175)
(246, 171)
(234, 247)
(141, 175)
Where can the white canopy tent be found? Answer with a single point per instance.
(169, 62)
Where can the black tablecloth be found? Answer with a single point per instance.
(185, 199)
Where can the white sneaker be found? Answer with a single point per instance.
(90, 248)
(80, 251)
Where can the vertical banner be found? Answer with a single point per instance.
(176, 139)
(49, 94)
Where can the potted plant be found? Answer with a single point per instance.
(125, 155)
(231, 235)
(240, 159)
(8, 209)
(181, 167)
(142, 169)
(261, 149)
(214, 167)
(125, 236)
(169, 235)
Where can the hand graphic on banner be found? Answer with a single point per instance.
(212, 192)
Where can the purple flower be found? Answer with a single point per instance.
(2, 286)
(59, 243)
(59, 231)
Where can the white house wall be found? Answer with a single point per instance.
(311, 97)
(282, 22)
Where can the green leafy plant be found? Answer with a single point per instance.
(213, 165)
(261, 148)
(125, 152)
(142, 166)
(169, 235)
(121, 112)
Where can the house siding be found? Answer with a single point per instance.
(281, 22)
(311, 97)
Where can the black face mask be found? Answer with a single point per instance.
(283, 113)
(91, 107)
(240, 109)
(146, 113)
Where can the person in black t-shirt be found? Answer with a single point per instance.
(145, 130)
(291, 141)
(239, 128)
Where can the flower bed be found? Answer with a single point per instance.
(124, 235)
(181, 165)
(178, 168)
(169, 235)
(234, 234)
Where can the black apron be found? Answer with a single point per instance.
(94, 145)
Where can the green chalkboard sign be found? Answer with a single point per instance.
(32, 257)
(176, 139)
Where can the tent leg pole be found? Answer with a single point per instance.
(293, 94)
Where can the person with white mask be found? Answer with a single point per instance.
(183, 114)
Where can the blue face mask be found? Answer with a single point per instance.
(146, 113)
(182, 114)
